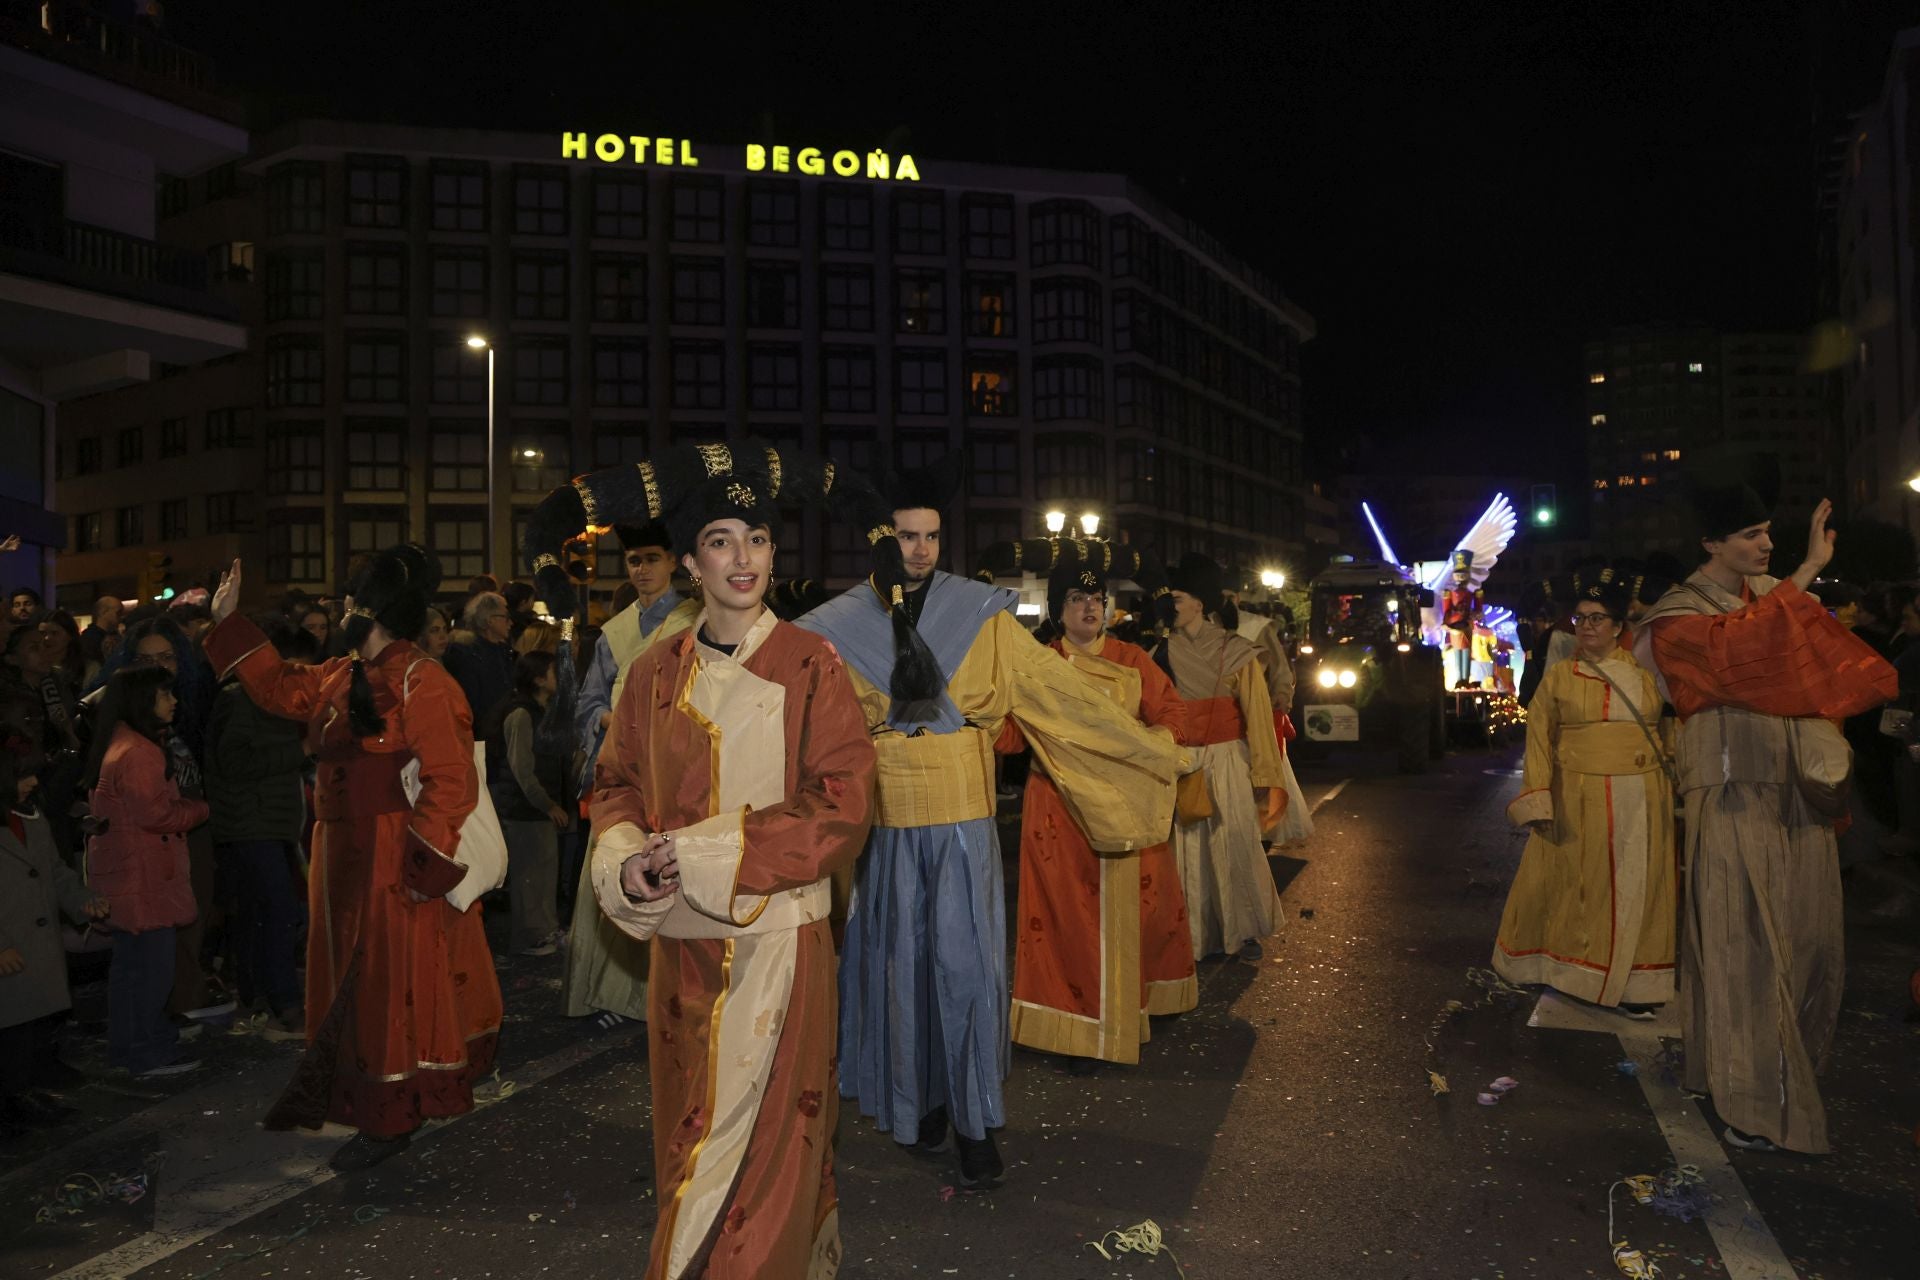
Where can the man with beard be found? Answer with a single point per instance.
(923, 979)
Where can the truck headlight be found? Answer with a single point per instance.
(1327, 678)
(1348, 679)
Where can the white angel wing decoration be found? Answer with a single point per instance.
(1487, 538)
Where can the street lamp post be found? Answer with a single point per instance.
(478, 343)
(1056, 521)
(1089, 524)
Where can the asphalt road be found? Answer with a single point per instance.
(1286, 1128)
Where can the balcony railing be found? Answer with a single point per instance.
(75, 32)
(106, 261)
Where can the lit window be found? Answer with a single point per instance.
(1600, 483)
(1649, 456)
(1696, 367)
(1625, 482)
(1672, 455)
(1599, 419)
(1596, 377)
(1647, 482)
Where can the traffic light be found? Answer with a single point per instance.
(156, 579)
(1545, 507)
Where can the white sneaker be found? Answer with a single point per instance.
(179, 1067)
(543, 949)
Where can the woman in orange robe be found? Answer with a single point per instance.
(1102, 939)
(403, 1006)
(1756, 668)
(736, 777)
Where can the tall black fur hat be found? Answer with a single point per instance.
(651, 534)
(934, 486)
(1733, 492)
(1199, 577)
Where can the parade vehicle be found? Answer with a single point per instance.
(1370, 664)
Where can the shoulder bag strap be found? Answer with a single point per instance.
(1653, 740)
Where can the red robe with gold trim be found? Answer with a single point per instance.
(1102, 939)
(745, 1086)
(403, 1006)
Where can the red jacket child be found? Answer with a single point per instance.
(139, 863)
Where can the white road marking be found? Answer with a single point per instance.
(1747, 1245)
(1332, 791)
(217, 1176)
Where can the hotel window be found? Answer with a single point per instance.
(846, 299)
(296, 459)
(457, 456)
(989, 305)
(620, 288)
(846, 380)
(920, 381)
(620, 373)
(920, 300)
(913, 450)
(173, 437)
(849, 554)
(459, 372)
(1596, 378)
(294, 284)
(1064, 231)
(129, 526)
(699, 215)
(540, 286)
(1671, 455)
(542, 458)
(852, 447)
(224, 513)
(773, 295)
(698, 433)
(1066, 388)
(618, 444)
(1073, 466)
(990, 386)
(296, 546)
(540, 371)
(376, 368)
(773, 213)
(619, 207)
(173, 519)
(699, 375)
(377, 279)
(1598, 420)
(296, 198)
(539, 201)
(1133, 468)
(988, 527)
(919, 222)
(1066, 311)
(1132, 245)
(376, 192)
(295, 372)
(376, 453)
(130, 445)
(88, 533)
(773, 376)
(699, 291)
(457, 536)
(989, 225)
(846, 218)
(231, 260)
(229, 428)
(460, 283)
(459, 197)
(993, 469)
(373, 529)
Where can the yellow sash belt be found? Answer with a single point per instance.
(934, 779)
(1608, 748)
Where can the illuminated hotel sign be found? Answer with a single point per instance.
(615, 148)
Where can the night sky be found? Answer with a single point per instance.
(1460, 193)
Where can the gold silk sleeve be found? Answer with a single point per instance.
(1115, 775)
(1535, 801)
(1249, 686)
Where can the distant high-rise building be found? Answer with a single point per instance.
(94, 116)
(1085, 348)
(1658, 396)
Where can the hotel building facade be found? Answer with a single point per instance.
(1086, 348)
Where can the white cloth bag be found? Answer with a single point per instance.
(483, 846)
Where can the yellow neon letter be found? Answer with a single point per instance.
(906, 172)
(573, 146)
(780, 159)
(686, 155)
(663, 150)
(877, 164)
(810, 162)
(845, 163)
(609, 147)
(756, 157)
(640, 146)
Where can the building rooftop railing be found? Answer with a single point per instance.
(105, 261)
(76, 33)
